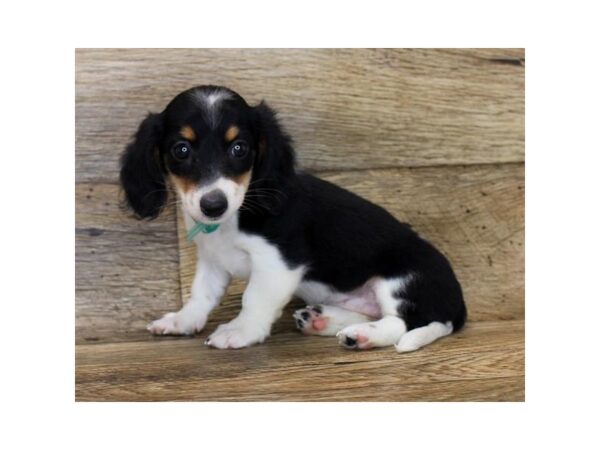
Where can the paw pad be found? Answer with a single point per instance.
(310, 320)
(352, 339)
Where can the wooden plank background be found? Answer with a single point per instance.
(435, 136)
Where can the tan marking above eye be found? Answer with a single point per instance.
(187, 133)
(243, 179)
(231, 133)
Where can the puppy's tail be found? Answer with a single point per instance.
(419, 337)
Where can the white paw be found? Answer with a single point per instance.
(357, 336)
(236, 335)
(176, 323)
(409, 343)
(405, 346)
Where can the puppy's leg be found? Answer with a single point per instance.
(419, 337)
(208, 287)
(386, 331)
(325, 320)
(381, 333)
(268, 291)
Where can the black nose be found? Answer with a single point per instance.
(214, 203)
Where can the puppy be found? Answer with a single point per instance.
(367, 278)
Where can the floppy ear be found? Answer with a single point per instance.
(275, 161)
(142, 173)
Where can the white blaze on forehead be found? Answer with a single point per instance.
(214, 97)
(209, 101)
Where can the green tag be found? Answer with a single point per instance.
(201, 227)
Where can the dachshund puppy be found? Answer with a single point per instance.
(367, 278)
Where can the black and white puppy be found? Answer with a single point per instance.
(366, 277)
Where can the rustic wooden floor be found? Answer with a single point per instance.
(435, 136)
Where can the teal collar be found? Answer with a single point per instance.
(201, 227)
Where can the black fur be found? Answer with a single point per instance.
(345, 240)
(142, 173)
(342, 238)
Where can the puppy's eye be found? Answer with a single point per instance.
(239, 149)
(181, 151)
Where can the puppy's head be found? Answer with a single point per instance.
(212, 146)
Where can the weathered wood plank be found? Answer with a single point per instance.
(474, 214)
(345, 108)
(483, 362)
(514, 56)
(126, 270)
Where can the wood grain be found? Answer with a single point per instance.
(474, 214)
(345, 108)
(126, 271)
(483, 362)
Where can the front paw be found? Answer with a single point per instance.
(236, 335)
(176, 324)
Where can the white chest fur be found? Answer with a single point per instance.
(226, 248)
(239, 253)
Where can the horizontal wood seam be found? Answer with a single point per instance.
(111, 181)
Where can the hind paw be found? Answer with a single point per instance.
(357, 336)
(311, 320)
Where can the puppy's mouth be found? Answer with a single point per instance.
(201, 218)
(212, 218)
